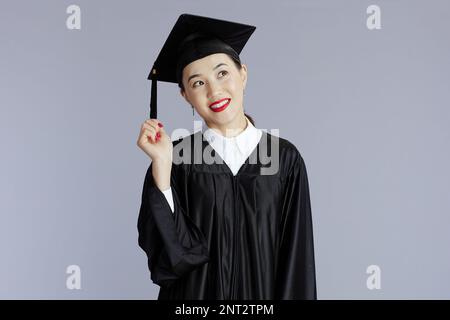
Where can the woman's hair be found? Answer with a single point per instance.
(238, 65)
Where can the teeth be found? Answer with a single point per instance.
(220, 104)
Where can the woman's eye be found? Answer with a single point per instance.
(224, 72)
(195, 83)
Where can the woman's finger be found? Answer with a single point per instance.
(149, 127)
(150, 134)
(154, 124)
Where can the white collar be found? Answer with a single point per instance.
(245, 140)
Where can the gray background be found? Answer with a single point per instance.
(368, 110)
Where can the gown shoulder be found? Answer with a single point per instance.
(290, 156)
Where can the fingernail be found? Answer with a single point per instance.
(158, 135)
(160, 124)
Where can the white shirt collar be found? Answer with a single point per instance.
(245, 141)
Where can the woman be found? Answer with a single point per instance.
(231, 228)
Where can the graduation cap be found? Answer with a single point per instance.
(192, 38)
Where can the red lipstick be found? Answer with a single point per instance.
(223, 105)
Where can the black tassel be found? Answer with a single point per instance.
(153, 108)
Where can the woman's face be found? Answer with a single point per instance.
(214, 87)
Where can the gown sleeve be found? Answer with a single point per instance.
(295, 275)
(173, 243)
(168, 194)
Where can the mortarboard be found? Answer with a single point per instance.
(192, 38)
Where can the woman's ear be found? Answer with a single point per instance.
(243, 73)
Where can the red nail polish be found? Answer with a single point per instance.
(160, 124)
(158, 135)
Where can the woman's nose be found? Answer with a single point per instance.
(214, 90)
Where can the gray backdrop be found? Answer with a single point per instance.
(368, 110)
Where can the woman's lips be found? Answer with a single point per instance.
(220, 105)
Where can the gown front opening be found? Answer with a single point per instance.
(243, 236)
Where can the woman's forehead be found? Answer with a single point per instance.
(207, 63)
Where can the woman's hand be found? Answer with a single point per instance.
(154, 141)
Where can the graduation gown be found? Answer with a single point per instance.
(247, 236)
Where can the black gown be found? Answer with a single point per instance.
(230, 237)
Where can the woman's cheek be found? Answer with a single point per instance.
(232, 84)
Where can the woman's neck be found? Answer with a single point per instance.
(233, 130)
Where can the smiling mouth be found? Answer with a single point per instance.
(220, 105)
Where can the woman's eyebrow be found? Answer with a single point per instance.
(197, 74)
